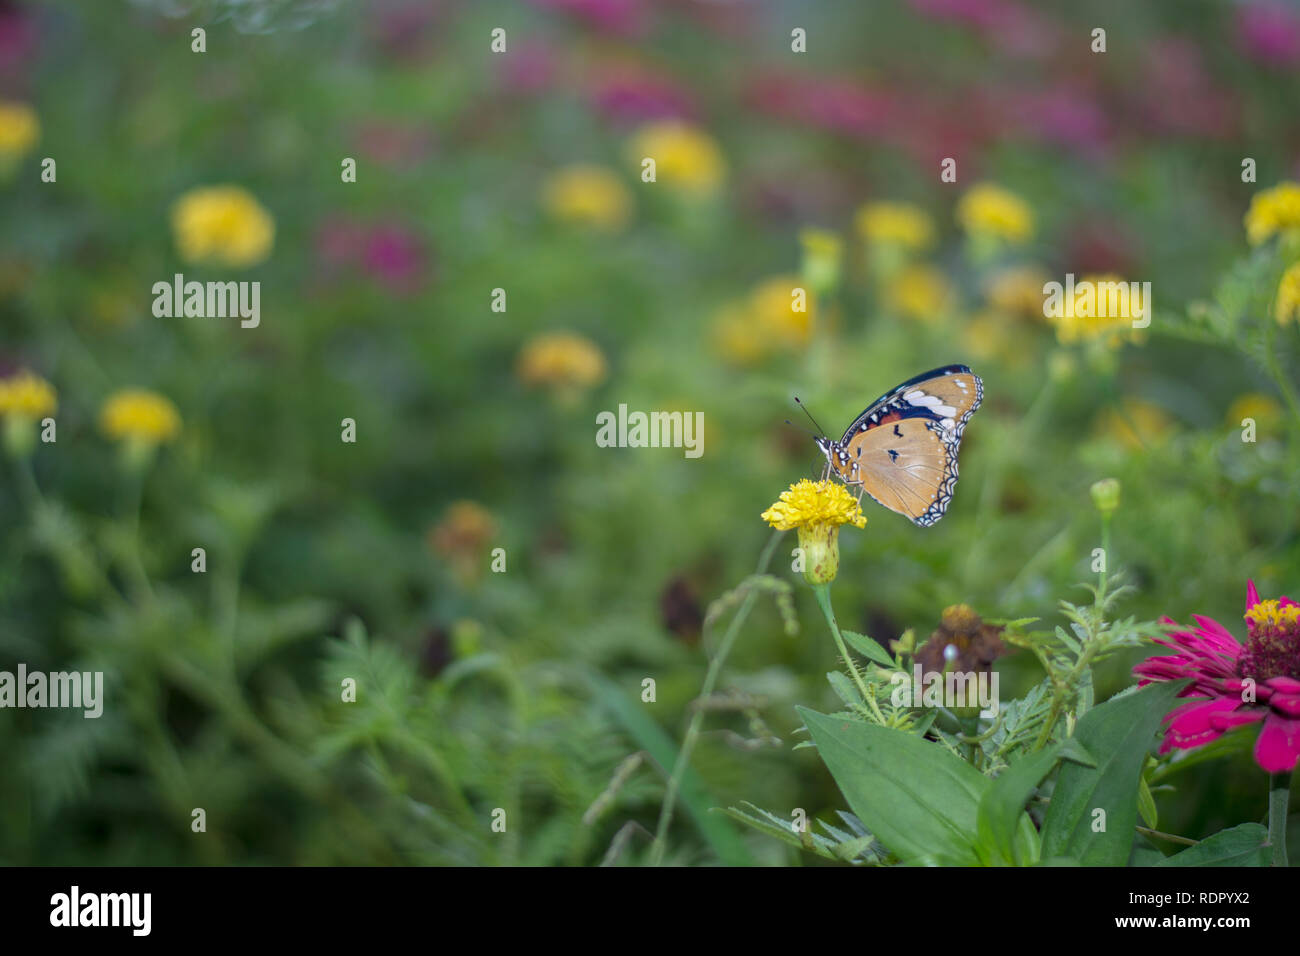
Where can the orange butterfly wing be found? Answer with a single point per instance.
(909, 466)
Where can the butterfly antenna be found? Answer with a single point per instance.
(820, 431)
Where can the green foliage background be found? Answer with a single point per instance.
(223, 688)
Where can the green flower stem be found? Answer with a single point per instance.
(1105, 563)
(683, 760)
(1278, 794)
(823, 592)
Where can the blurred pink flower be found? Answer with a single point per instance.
(394, 256)
(403, 29)
(1060, 116)
(530, 69)
(1178, 95)
(834, 105)
(1270, 32)
(391, 254)
(17, 36)
(634, 96)
(620, 17)
(392, 144)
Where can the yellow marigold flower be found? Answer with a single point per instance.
(897, 223)
(1137, 425)
(817, 509)
(1287, 305)
(19, 129)
(686, 158)
(990, 210)
(822, 252)
(561, 359)
(1080, 322)
(140, 416)
(27, 396)
(588, 196)
(919, 292)
(1017, 290)
(1272, 211)
(222, 226)
(1265, 412)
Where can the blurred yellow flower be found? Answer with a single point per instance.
(822, 252)
(919, 292)
(990, 210)
(1287, 305)
(1112, 329)
(897, 223)
(734, 336)
(588, 196)
(222, 226)
(686, 157)
(1018, 291)
(776, 313)
(19, 130)
(1136, 425)
(989, 334)
(25, 395)
(462, 538)
(140, 416)
(562, 360)
(1266, 412)
(1272, 211)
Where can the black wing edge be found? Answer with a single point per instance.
(933, 373)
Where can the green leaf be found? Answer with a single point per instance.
(1242, 845)
(918, 800)
(1118, 734)
(1146, 804)
(1002, 809)
(868, 648)
(844, 688)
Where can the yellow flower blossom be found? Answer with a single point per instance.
(817, 509)
(222, 226)
(919, 292)
(1273, 614)
(562, 360)
(1273, 211)
(989, 210)
(897, 223)
(1137, 425)
(139, 416)
(19, 130)
(1263, 410)
(25, 395)
(588, 196)
(1287, 305)
(1017, 291)
(822, 252)
(782, 310)
(686, 158)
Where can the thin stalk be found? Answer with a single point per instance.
(1278, 794)
(823, 592)
(683, 760)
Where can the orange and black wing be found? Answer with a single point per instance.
(948, 395)
(908, 465)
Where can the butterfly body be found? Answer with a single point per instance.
(902, 449)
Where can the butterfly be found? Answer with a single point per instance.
(902, 450)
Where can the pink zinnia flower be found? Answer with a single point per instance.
(1235, 684)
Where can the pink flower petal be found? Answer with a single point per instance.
(1288, 704)
(1237, 718)
(1190, 725)
(1287, 685)
(1252, 596)
(1278, 746)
